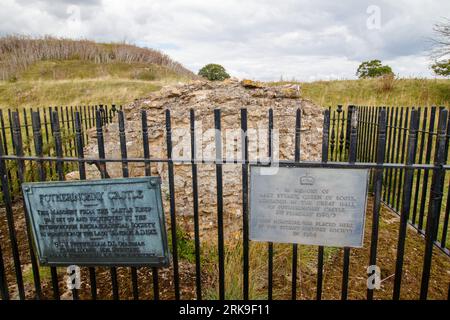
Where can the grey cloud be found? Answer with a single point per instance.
(261, 39)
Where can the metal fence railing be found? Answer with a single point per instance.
(44, 126)
(425, 152)
(361, 139)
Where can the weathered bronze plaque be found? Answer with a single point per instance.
(98, 222)
(316, 206)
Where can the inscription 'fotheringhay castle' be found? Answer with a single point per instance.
(90, 197)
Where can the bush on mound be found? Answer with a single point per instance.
(213, 72)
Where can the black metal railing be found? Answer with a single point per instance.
(362, 139)
(425, 152)
(43, 125)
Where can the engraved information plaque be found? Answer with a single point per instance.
(116, 222)
(315, 206)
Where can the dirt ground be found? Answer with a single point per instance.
(387, 247)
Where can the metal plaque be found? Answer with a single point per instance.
(116, 222)
(315, 206)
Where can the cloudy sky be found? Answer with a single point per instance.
(258, 39)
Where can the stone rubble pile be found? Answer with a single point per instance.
(203, 97)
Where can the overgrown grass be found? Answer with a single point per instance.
(258, 267)
(371, 92)
(19, 53)
(74, 92)
(77, 69)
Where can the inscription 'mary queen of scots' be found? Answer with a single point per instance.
(102, 222)
(314, 206)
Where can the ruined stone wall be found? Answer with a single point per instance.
(230, 96)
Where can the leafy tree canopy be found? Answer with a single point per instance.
(372, 69)
(442, 68)
(213, 72)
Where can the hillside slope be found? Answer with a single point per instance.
(18, 53)
(49, 71)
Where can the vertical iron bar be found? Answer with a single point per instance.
(38, 143)
(320, 252)
(11, 224)
(333, 134)
(350, 110)
(82, 172)
(298, 123)
(148, 172)
(17, 145)
(245, 238)
(435, 203)
(406, 203)
(104, 174)
(402, 159)
(393, 153)
(419, 172)
(351, 160)
(60, 172)
(378, 183)
(27, 131)
(198, 279)
(270, 244)
(388, 154)
(173, 221)
(125, 174)
(426, 172)
(397, 160)
(220, 237)
(341, 135)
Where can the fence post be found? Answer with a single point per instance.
(198, 277)
(245, 239)
(351, 159)
(298, 124)
(173, 221)
(104, 175)
(148, 172)
(350, 110)
(270, 244)
(380, 154)
(17, 145)
(406, 202)
(326, 133)
(10, 221)
(435, 201)
(219, 186)
(426, 172)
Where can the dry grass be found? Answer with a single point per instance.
(386, 83)
(17, 53)
(402, 92)
(307, 267)
(75, 92)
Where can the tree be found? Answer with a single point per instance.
(441, 49)
(442, 68)
(213, 72)
(441, 40)
(372, 69)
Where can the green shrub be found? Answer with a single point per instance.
(185, 245)
(372, 69)
(442, 68)
(213, 72)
